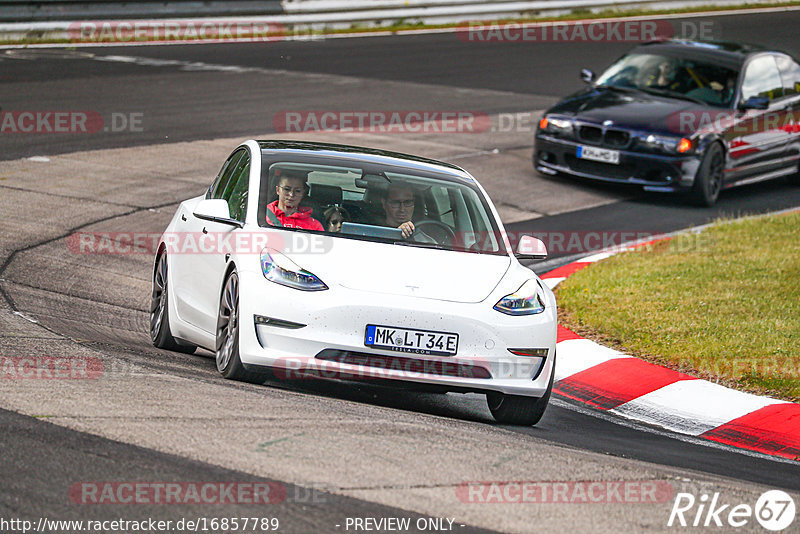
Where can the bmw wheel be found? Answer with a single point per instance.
(227, 355)
(708, 182)
(160, 333)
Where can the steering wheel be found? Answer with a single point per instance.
(438, 230)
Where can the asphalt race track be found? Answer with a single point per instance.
(332, 452)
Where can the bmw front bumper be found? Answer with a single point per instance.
(656, 172)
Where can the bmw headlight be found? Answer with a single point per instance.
(527, 300)
(555, 125)
(680, 145)
(281, 270)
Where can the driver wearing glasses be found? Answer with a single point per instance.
(291, 188)
(399, 207)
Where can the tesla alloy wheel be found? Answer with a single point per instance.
(159, 312)
(227, 354)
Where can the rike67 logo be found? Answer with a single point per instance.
(774, 510)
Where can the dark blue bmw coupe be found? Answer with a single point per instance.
(679, 116)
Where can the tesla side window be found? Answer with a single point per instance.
(236, 189)
(218, 187)
(790, 72)
(762, 79)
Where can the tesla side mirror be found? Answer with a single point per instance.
(587, 75)
(530, 248)
(756, 102)
(215, 209)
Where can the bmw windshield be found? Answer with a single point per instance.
(688, 79)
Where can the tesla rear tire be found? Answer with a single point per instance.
(708, 182)
(519, 410)
(160, 333)
(227, 354)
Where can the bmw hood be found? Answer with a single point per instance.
(382, 268)
(632, 110)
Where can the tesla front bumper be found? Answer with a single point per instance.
(293, 332)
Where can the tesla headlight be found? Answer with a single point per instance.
(527, 300)
(281, 270)
(555, 125)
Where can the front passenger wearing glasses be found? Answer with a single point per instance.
(291, 189)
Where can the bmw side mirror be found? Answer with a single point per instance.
(755, 102)
(215, 210)
(587, 75)
(530, 248)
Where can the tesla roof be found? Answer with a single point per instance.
(367, 155)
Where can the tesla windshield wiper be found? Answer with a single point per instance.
(672, 94)
(423, 245)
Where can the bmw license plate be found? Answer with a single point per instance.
(413, 341)
(598, 154)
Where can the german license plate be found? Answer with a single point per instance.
(598, 154)
(413, 341)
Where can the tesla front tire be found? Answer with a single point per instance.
(228, 325)
(517, 409)
(160, 333)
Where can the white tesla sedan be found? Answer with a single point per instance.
(307, 259)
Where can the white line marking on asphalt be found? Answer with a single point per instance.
(29, 319)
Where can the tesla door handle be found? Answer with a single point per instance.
(204, 230)
(183, 217)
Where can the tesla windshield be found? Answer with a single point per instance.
(693, 80)
(382, 205)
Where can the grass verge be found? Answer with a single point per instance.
(723, 304)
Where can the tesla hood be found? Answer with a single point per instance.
(406, 270)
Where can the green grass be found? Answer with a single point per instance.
(723, 304)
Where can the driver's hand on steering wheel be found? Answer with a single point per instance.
(407, 228)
